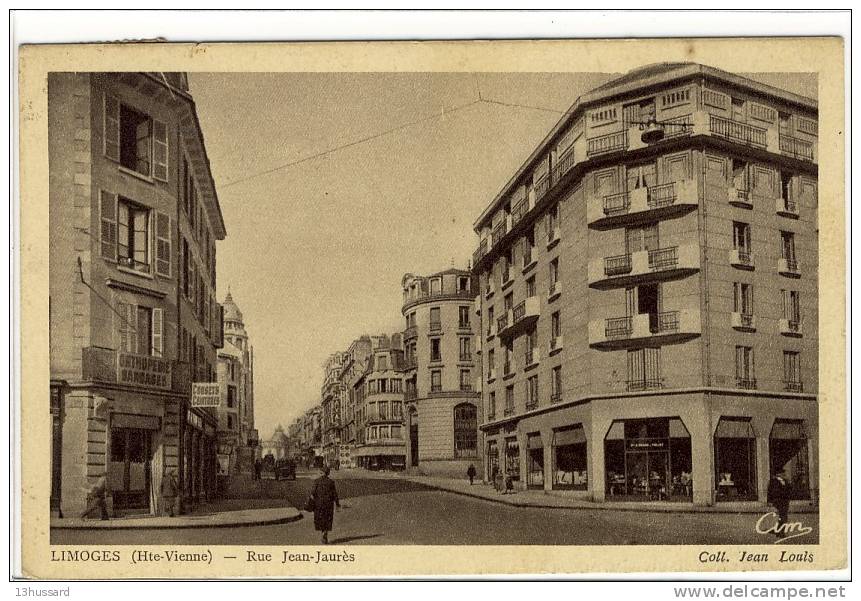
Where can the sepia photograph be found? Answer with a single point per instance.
(324, 310)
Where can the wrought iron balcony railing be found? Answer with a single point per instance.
(745, 383)
(800, 149)
(737, 131)
(664, 258)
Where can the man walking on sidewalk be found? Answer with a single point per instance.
(470, 473)
(324, 499)
(779, 493)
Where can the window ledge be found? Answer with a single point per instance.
(529, 265)
(146, 178)
(128, 270)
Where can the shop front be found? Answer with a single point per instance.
(569, 458)
(648, 459)
(534, 461)
(130, 467)
(492, 460)
(512, 458)
(788, 452)
(735, 460)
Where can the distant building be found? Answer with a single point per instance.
(440, 370)
(134, 219)
(278, 445)
(237, 437)
(379, 398)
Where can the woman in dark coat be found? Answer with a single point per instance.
(325, 500)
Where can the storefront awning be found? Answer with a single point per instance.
(574, 435)
(787, 430)
(734, 428)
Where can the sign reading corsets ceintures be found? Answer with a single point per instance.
(205, 394)
(140, 370)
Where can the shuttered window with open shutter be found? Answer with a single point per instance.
(163, 246)
(108, 229)
(158, 332)
(159, 150)
(111, 128)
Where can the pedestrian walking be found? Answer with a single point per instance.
(779, 493)
(323, 500)
(470, 473)
(257, 466)
(96, 499)
(169, 494)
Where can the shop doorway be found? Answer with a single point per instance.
(129, 468)
(535, 461)
(788, 452)
(648, 460)
(735, 460)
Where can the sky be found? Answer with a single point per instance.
(315, 251)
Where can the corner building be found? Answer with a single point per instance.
(443, 403)
(134, 218)
(649, 295)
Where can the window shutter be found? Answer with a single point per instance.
(159, 150)
(111, 128)
(158, 332)
(163, 249)
(108, 231)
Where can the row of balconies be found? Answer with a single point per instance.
(665, 198)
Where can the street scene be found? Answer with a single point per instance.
(434, 308)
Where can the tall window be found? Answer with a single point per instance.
(133, 235)
(741, 237)
(465, 380)
(792, 306)
(491, 405)
(528, 247)
(435, 352)
(554, 272)
(463, 317)
(490, 320)
(465, 430)
(435, 323)
(491, 361)
(141, 329)
(743, 294)
(556, 384)
(530, 287)
(555, 325)
(231, 396)
(435, 285)
(135, 140)
(553, 223)
(641, 238)
(509, 400)
(744, 371)
(436, 380)
(787, 247)
(644, 369)
(465, 349)
(532, 392)
(792, 370)
(641, 176)
(740, 175)
(463, 284)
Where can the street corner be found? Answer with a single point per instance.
(220, 519)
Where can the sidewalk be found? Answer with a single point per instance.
(216, 519)
(563, 500)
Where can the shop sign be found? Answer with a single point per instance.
(143, 370)
(194, 420)
(646, 444)
(205, 394)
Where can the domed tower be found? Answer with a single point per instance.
(236, 375)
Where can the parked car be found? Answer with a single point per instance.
(285, 470)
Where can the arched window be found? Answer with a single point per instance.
(465, 430)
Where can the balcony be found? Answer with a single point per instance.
(736, 131)
(790, 327)
(523, 315)
(445, 294)
(608, 144)
(745, 383)
(644, 266)
(741, 258)
(519, 210)
(793, 386)
(796, 148)
(531, 357)
(642, 204)
(745, 322)
(564, 164)
(739, 197)
(788, 267)
(786, 207)
(556, 344)
(411, 332)
(500, 230)
(480, 252)
(647, 328)
(502, 322)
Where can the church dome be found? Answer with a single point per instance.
(231, 310)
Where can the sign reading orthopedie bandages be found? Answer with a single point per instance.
(141, 370)
(205, 394)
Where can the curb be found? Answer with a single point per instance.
(179, 526)
(613, 507)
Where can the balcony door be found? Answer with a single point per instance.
(641, 238)
(644, 300)
(641, 176)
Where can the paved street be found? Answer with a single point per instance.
(394, 511)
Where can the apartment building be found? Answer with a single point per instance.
(440, 370)
(354, 367)
(134, 219)
(237, 437)
(379, 398)
(332, 398)
(648, 294)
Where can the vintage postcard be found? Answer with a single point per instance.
(432, 308)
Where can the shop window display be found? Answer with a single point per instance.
(535, 461)
(735, 460)
(569, 450)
